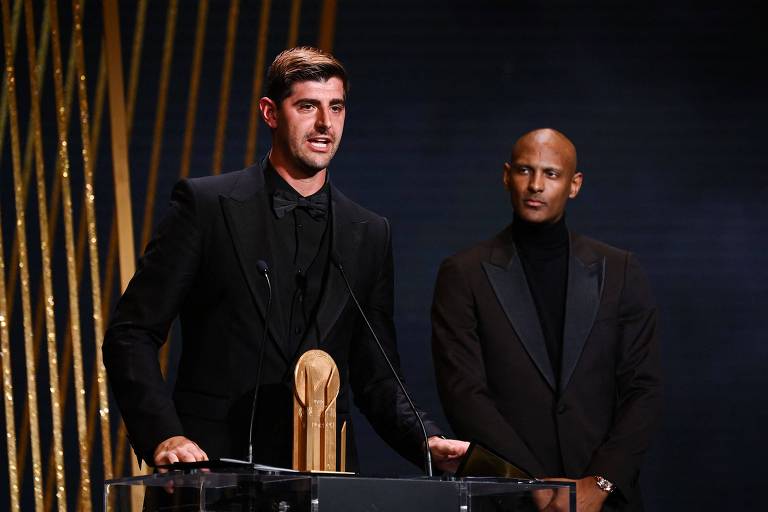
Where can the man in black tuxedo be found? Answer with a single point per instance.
(544, 341)
(206, 264)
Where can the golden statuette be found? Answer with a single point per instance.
(316, 386)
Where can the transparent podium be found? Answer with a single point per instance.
(272, 491)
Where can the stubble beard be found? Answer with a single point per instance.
(311, 163)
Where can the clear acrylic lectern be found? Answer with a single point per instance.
(271, 491)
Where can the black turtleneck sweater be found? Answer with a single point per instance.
(543, 250)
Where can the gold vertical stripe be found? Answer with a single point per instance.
(4, 97)
(42, 55)
(138, 38)
(66, 356)
(18, 461)
(95, 393)
(93, 250)
(5, 356)
(26, 172)
(11, 283)
(157, 136)
(226, 78)
(96, 387)
(258, 83)
(45, 250)
(194, 87)
(74, 307)
(23, 261)
(53, 210)
(327, 26)
(121, 171)
(133, 80)
(98, 104)
(28, 153)
(53, 213)
(5, 349)
(133, 73)
(99, 383)
(119, 142)
(53, 220)
(293, 25)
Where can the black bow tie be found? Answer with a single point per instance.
(284, 201)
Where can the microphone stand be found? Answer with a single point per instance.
(264, 269)
(427, 453)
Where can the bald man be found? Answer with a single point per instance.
(544, 341)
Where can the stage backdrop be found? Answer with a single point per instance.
(666, 105)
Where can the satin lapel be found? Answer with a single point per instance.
(585, 285)
(346, 233)
(505, 272)
(250, 236)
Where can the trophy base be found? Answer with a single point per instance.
(322, 472)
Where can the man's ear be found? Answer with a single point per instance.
(507, 176)
(576, 184)
(268, 110)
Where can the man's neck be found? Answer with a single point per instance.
(303, 183)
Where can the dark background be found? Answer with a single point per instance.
(667, 108)
(666, 104)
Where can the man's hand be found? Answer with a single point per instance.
(178, 449)
(589, 497)
(551, 500)
(446, 453)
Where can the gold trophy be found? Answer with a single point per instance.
(316, 386)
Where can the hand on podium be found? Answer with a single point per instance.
(178, 449)
(447, 453)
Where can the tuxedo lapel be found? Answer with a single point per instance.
(346, 233)
(245, 211)
(507, 277)
(585, 282)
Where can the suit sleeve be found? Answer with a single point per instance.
(375, 390)
(141, 321)
(460, 371)
(639, 388)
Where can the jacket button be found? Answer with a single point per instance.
(562, 408)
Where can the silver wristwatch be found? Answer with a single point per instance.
(604, 484)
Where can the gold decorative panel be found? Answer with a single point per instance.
(175, 87)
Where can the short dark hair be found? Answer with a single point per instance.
(302, 64)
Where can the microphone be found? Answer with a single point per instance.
(427, 454)
(264, 270)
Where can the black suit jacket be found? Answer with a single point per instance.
(496, 381)
(201, 266)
